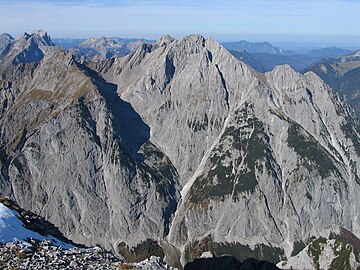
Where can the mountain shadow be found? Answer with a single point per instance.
(229, 263)
(130, 130)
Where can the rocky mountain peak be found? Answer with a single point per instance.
(357, 53)
(38, 36)
(40, 32)
(98, 42)
(194, 39)
(284, 77)
(24, 35)
(44, 37)
(27, 48)
(310, 75)
(283, 68)
(6, 36)
(5, 39)
(41, 37)
(165, 40)
(196, 43)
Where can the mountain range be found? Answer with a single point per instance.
(254, 47)
(267, 62)
(328, 52)
(100, 48)
(262, 56)
(178, 149)
(337, 67)
(342, 74)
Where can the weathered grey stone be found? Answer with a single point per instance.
(5, 39)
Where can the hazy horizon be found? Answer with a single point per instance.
(289, 44)
(284, 23)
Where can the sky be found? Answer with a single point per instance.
(282, 21)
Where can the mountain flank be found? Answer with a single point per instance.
(342, 74)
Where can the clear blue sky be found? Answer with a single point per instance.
(320, 21)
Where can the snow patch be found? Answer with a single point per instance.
(12, 229)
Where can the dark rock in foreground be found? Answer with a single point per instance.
(229, 263)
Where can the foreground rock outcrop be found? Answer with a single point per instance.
(178, 149)
(27, 241)
(44, 255)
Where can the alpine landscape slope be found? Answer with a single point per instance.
(66, 155)
(342, 74)
(178, 149)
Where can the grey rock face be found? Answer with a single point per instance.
(202, 115)
(165, 40)
(71, 160)
(243, 141)
(182, 144)
(5, 39)
(27, 48)
(322, 253)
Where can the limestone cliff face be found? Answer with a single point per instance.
(266, 160)
(5, 39)
(181, 93)
(182, 144)
(75, 153)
